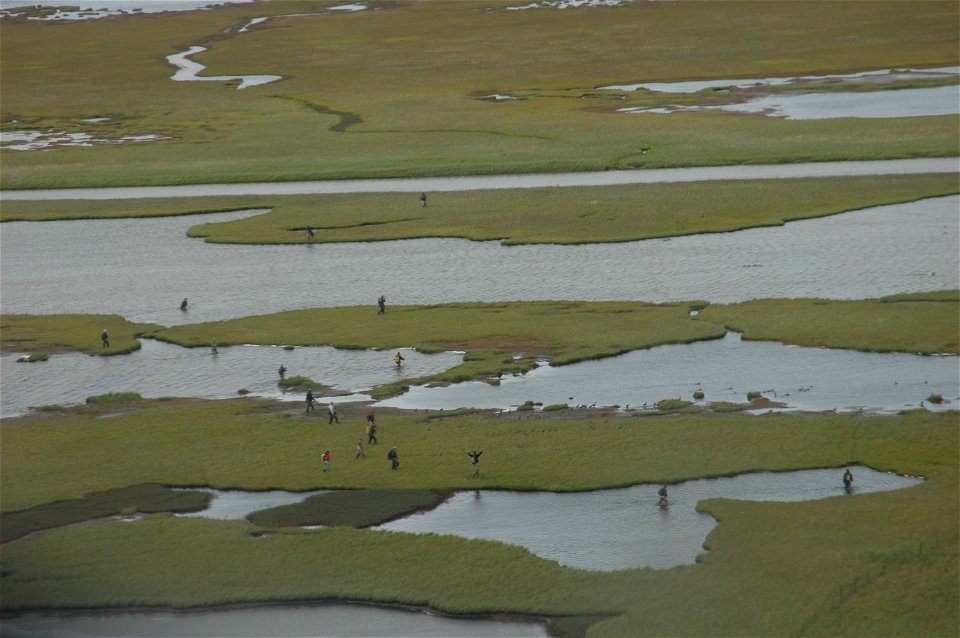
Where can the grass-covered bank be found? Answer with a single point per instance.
(56, 333)
(925, 323)
(866, 565)
(398, 90)
(546, 215)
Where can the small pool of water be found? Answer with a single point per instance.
(608, 530)
(812, 379)
(256, 622)
(237, 504)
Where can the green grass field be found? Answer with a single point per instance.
(869, 565)
(397, 90)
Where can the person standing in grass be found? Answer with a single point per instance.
(105, 338)
(310, 406)
(360, 454)
(394, 458)
(423, 199)
(332, 409)
(309, 232)
(475, 461)
(381, 304)
(326, 461)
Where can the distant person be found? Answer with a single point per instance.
(282, 371)
(475, 461)
(847, 480)
(360, 454)
(423, 199)
(310, 406)
(662, 493)
(398, 359)
(105, 339)
(381, 304)
(371, 429)
(309, 233)
(332, 411)
(326, 461)
(213, 348)
(183, 304)
(394, 458)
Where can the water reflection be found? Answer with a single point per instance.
(616, 529)
(255, 622)
(724, 370)
(188, 71)
(160, 369)
(142, 268)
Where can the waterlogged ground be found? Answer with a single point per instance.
(142, 268)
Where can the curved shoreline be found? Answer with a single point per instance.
(483, 182)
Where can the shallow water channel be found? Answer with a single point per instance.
(724, 369)
(256, 622)
(160, 370)
(142, 268)
(812, 379)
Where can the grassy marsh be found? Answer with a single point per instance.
(516, 216)
(836, 566)
(396, 100)
(54, 333)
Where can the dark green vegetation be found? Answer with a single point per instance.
(145, 499)
(114, 397)
(865, 565)
(359, 508)
(33, 358)
(397, 90)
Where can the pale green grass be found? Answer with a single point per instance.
(396, 91)
(865, 565)
(52, 333)
(925, 327)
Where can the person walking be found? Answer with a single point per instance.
(847, 480)
(394, 458)
(360, 454)
(475, 461)
(282, 371)
(332, 410)
(183, 304)
(309, 232)
(662, 492)
(398, 359)
(381, 304)
(105, 339)
(326, 461)
(423, 199)
(372, 432)
(310, 406)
